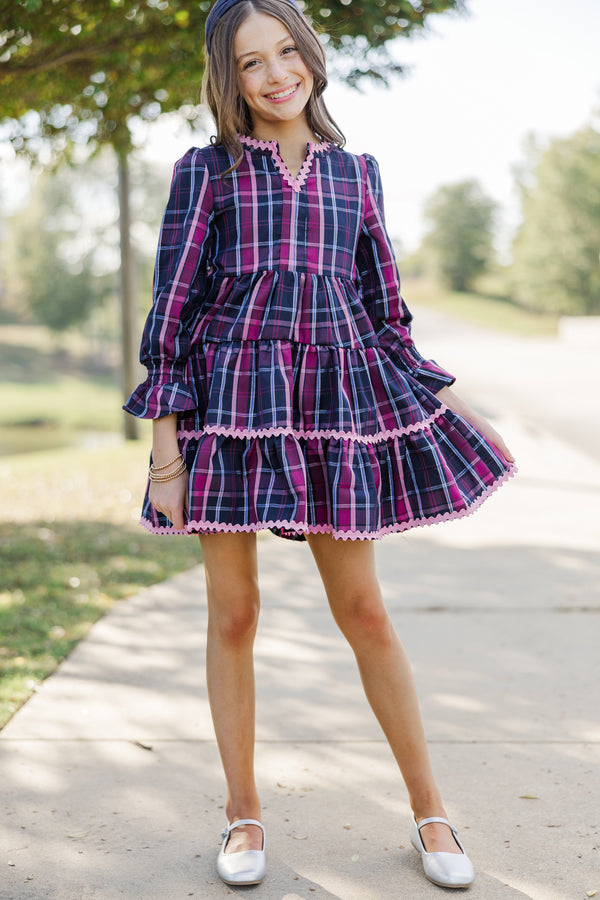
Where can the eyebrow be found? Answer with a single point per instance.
(257, 52)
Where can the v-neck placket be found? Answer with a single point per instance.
(298, 182)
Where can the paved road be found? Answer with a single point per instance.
(546, 383)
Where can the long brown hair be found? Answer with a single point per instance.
(220, 88)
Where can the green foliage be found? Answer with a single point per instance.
(49, 261)
(55, 297)
(556, 265)
(88, 68)
(459, 241)
(69, 269)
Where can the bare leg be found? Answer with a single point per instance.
(348, 572)
(233, 606)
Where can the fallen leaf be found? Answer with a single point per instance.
(78, 834)
(143, 745)
(591, 893)
(300, 837)
(528, 797)
(355, 857)
(347, 827)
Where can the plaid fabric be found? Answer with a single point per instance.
(279, 335)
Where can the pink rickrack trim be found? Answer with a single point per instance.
(256, 144)
(325, 433)
(295, 183)
(304, 528)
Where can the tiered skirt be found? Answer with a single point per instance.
(302, 438)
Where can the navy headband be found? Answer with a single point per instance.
(219, 10)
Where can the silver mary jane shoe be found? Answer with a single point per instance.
(452, 870)
(245, 867)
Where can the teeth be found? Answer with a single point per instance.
(283, 93)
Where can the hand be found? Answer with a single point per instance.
(171, 499)
(168, 497)
(482, 425)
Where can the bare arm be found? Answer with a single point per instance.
(169, 497)
(454, 402)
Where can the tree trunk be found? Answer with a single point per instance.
(129, 319)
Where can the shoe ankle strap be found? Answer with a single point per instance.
(435, 819)
(232, 825)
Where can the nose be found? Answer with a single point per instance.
(275, 71)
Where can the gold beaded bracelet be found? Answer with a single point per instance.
(166, 465)
(169, 476)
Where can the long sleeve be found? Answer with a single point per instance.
(178, 290)
(380, 282)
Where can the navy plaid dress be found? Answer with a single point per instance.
(279, 337)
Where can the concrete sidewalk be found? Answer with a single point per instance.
(111, 778)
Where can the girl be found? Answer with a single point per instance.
(286, 393)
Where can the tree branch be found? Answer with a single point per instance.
(43, 64)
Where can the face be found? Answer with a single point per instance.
(272, 77)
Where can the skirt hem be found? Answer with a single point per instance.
(299, 529)
(231, 431)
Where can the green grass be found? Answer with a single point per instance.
(68, 401)
(51, 393)
(495, 312)
(69, 548)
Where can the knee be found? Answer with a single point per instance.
(235, 617)
(363, 618)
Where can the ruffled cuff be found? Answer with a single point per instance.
(152, 399)
(425, 371)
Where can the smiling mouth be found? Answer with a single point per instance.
(281, 95)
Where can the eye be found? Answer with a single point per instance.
(288, 50)
(250, 64)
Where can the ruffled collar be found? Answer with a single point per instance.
(312, 149)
